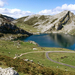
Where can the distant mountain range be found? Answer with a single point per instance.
(63, 22)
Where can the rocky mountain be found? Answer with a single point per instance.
(5, 18)
(7, 27)
(8, 17)
(63, 22)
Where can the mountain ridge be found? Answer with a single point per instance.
(63, 22)
(7, 28)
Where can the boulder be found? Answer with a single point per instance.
(26, 59)
(8, 71)
(31, 61)
(33, 42)
(34, 48)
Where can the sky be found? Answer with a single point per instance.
(21, 8)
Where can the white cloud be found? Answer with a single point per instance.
(58, 9)
(2, 3)
(16, 13)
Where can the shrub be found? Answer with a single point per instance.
(0, 63)
(32, 68)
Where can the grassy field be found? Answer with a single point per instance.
(67, 58)
(10, 48)
(41, 59)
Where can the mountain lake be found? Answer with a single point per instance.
(53, 40)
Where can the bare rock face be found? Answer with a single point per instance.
(63, 22)
(8, 71)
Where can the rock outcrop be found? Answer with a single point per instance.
(8, 71)
(63, 22)
(7, 27)
(11, 28)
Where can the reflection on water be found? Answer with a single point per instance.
(63, 39)
(53, 40)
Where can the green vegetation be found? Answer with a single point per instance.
(67, 58)
(72, 32)
(19, 47)
(29, 24)
(31, 68)
(41, 58)
(31, 21)
(43, 17)
(20, 20)
(26, 27)
(40, 65)
(12, 48)
(54, 20)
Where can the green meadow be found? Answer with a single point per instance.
(13, 48)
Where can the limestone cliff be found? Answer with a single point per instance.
(62, 22)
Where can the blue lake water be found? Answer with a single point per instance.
(53, 40)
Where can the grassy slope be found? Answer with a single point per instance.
(68, 58)
(10, 46)
(27, 25)
(27, 68)
(43, 60)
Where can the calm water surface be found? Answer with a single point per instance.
(53, 40)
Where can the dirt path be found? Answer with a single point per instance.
(47, 52)
(29, 52)
(59, 62)
(44, 51)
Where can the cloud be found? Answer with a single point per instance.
(16, 13)
(2, 3)
(58, 9)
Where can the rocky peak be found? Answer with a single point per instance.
(66, 19)
(62, 22)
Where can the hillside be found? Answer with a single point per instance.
(7, 27)
(63, 22)
(10, 49)
(22, 27)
